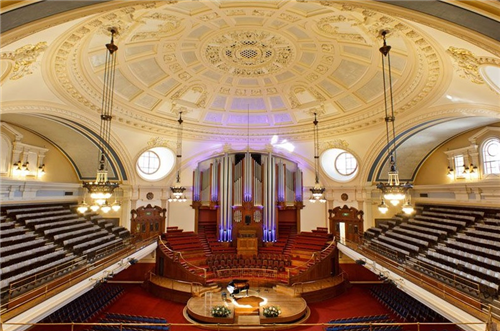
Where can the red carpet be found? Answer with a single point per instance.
(356, 302)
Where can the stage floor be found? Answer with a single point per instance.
(246, 310)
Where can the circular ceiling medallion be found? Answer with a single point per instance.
(248, 53)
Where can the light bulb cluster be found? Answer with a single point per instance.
(20, 169)
(470, 172)
(317, 194)
(101, 205)
(407, 206)
(177, 194)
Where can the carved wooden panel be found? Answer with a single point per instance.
(147, 221)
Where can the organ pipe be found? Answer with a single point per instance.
(205, 186)
(248, 178)
(298, 185)
(226, 215)
(196, 185)
(238, 182)
(214, 188)
(269, 228)
(281, 182)
(289, 187)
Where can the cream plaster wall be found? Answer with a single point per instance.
(434, 170)
(58, 168)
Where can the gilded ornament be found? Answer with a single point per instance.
(24, 59)
(467, 63)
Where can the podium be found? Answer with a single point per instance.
(247, 243)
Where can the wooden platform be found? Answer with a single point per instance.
(246, 311)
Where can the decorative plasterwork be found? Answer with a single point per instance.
(337, 143)
(232, 62)
(248, 52)
(468, 64)
(25, 59)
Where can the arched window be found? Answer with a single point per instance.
(491, 156)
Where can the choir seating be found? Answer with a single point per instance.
(300, 253)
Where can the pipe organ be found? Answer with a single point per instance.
(247, 191)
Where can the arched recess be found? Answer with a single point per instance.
(5, 154)
(416, 143)
(76, 141)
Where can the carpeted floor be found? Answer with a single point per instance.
(357, 301)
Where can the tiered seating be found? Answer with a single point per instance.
(452, 244)
(86, 306)
(402, 304)
(124, 319)
(42, 242)
(362, 323)
(183, 241)
(74, 233)
(308, 242)
(465, 280)
(26, 254)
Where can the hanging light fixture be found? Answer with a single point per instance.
(178, 189)
(393, 190)
(102, 189)
(318, 190)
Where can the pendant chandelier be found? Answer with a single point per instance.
(101, 190)
(392, 190)
(178, 189)
(318, 190)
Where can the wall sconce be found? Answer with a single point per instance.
(16, 169)
(41, 171)
(25, 169)
(21, 169)
(473, 172)
(451, 173)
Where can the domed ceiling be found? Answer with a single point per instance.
(263, 66)
(230, 64)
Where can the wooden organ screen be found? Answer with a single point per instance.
(147, 221)
(353, 220)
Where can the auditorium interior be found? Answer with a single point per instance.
(250, 165)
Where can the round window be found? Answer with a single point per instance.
(346, 164)
(339, 164)
(155, 163)
(149, 162)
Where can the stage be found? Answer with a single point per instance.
(246, 309)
